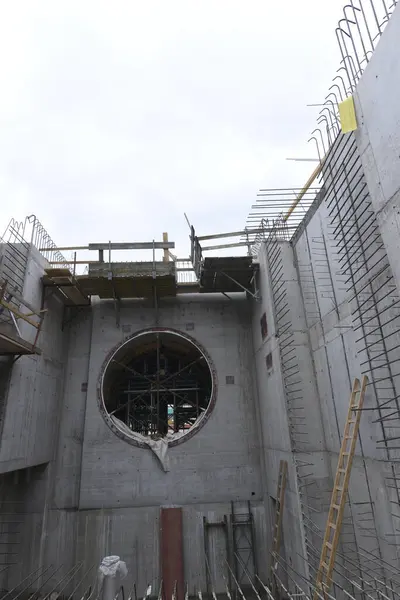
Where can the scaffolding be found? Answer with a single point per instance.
(14, 309)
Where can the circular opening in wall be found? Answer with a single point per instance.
(157, 384)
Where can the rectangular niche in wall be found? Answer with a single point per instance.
(230, 379)
(264, 326)
(268, 360)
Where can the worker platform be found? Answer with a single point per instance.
(226, 274)
(114, 280)
(12, 311)
(11, 344)
(70, 292)
(129, 280)
(149, 279)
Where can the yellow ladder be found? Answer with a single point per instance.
(280, 497)
(338, 500)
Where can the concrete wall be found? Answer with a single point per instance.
(30, 414)
(378, 135)
(288, 402)
(96, 494)
(274, 423)
(31, 390)
(339, 355)
(119, 488)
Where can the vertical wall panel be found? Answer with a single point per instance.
(172, 551)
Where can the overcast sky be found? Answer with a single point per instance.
(118, 117)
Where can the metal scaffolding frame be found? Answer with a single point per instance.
(243, 543)
(161, 390)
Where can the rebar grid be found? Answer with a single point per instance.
(374, 299)
(317, 284)
(14, 251)
(289, 365)
(358, 34)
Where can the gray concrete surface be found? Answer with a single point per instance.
(82, 492)
(35, 386)
(378, 136)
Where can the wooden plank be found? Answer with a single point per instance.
(229, 234)
(221, 246)
(188, 288)
(172, 552)
(63, 248)
(128, 287)
(18, 314)
(76, 297)
(166, 253)
(73, 262)
(133, 246)
(14, 345)
(308, 183)
(16, 296)
(71, 293)
(58, 272)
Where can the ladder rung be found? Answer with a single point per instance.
(342, 473)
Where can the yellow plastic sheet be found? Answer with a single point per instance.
(347, 115)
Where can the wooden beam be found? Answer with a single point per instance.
(165, 244)
(62, 248)
(166, 253)
(74, 262)
(216, 236)
(19, 298)
(133, 246)
(236, 245)
(171, 551)
(12, 345)
(19, 314)
(304, 190)
(249, 231)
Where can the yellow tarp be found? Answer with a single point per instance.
(347, 115)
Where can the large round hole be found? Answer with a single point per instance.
(157, 384)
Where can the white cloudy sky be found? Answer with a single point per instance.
(116, 117)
